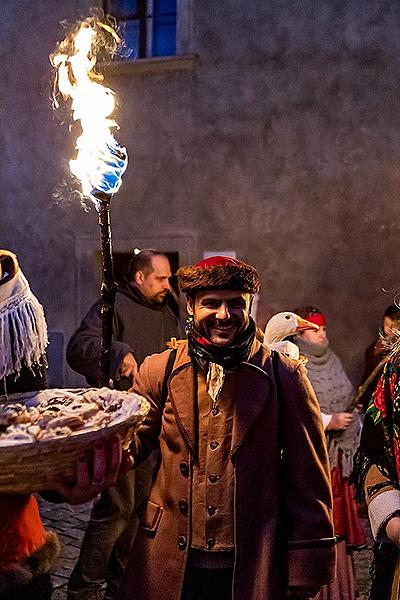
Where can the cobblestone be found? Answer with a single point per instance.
(70, 522)
(362, 562)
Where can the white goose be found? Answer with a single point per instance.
(281, 326)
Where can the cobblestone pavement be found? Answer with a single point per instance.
(362, 561)
(70, 522)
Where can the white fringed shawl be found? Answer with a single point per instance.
(23, 328)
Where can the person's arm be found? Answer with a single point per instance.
(83, 350)
(393, 529)
(326, 419)
(337, 421)
(383, 501)
(306, 489)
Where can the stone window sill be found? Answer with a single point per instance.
(159, 64)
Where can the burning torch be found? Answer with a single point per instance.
(100, 161)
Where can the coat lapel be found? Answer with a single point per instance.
(181, 387)
(254, 389)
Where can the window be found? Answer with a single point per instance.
(148, 26)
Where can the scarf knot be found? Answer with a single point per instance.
(215, 360)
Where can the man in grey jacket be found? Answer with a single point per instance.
(145, 318)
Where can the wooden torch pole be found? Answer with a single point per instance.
(108, 288)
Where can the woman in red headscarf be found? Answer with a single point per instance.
(342, 427)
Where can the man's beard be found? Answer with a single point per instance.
(159, 298)
(228, 356)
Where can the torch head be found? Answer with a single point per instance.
(100, 161)
(107, 177)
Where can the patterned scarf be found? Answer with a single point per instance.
(23, 329)
(227, 357)
(215, 360)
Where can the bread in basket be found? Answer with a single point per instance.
(43, 433)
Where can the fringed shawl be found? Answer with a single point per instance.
(23, 329)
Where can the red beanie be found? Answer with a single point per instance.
(219, 273)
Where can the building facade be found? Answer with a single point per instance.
(272, 132)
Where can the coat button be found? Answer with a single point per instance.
(214, 444)
(182, 542)
(184, 468)
(211, 542)
(183, 505)
(213, 477)
(211, 510)
(215, 411)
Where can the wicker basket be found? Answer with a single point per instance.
(34, 466)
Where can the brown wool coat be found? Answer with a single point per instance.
(282, 504)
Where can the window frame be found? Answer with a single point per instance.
(144, 16)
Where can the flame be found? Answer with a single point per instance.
(92, 104)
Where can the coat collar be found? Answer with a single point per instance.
(252, 392)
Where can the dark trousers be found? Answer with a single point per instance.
(207, 584)
(109, 536)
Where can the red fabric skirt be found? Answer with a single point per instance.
(344, 587)
(351, 536)
(345, 514)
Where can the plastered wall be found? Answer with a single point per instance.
(280, 141)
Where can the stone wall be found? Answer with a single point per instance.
(280, 141)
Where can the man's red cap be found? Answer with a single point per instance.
(219, 273)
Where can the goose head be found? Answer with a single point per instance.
(283, 325)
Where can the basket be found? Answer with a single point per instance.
(33, 466)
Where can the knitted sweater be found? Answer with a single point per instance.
(334, 393)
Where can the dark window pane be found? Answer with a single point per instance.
(122, 8)
(130, 34)
(164, 36)
(163, 7)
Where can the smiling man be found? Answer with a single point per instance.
(240, 504)
(220, 315)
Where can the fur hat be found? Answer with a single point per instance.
(218, 273)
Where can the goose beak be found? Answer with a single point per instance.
(303, 325)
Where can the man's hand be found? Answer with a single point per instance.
(129, 366)
(339, 421)
(95, 472)
(393, 530)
